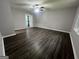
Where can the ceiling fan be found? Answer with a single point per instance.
(37, 8)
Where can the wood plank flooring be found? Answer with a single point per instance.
(39, 43)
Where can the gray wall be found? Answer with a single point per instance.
(6, 20)
(6, 24)
(60, 19)
(4, 57)
(19, 18)
(75, 36)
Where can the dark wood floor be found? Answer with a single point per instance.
(38, 43)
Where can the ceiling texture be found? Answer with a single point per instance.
(47, 4)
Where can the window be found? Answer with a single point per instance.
(77, 26)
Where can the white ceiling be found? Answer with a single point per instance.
(49, 4)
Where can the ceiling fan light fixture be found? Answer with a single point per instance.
(36, 10)
(37, 5)
(42, 9)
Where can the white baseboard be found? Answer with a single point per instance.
(9, 35)
(74, 51)
(53, 29)
(19, 28)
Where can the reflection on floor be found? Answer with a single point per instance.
(39, 43)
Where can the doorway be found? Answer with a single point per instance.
(28, 20)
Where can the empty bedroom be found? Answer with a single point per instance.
(39, 29)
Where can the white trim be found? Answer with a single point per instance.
(19, 28)
(74, 51)
(3, 47)
(53, 29)
(9, 35)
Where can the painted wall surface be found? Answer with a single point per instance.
(75, 36)
(6, 21)
(20, 19)
(61, 19)
(4, 57)
(6, 24)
